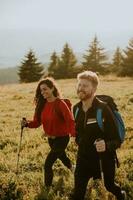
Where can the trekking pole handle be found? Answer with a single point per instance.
(22, 124)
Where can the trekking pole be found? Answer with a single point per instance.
(19, 146)
(101, 168)
(100, 164)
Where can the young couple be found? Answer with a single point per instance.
(95, 147)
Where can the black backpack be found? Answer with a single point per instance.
(108, 100)
(58, 111)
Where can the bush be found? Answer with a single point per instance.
(10, 191)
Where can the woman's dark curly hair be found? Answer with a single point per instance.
(40, 100)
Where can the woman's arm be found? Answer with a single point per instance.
(33, 123)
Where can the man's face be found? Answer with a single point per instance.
(85, 89)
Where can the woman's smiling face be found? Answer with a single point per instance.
(46, 92)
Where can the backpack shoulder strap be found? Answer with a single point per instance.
(76, 110)
(57, 109)
(99, 115)
(99, 112)
(99, 118)
(67, 102)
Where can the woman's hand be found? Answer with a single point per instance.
(24, 122)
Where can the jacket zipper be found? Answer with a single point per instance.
(85, 120)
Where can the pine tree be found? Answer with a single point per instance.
(127, 64)
(117, 60)
(66, 63)
(54, 65)
(30, 70)
(95, 57)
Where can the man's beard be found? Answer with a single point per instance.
(83, 95)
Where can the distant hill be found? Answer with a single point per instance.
(9, 75)
(7, 62)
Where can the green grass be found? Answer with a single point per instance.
(16, 101)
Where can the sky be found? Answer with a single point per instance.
(46, 25)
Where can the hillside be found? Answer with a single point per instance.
(17, 102)
(8, 75)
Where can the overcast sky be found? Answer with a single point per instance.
(45, 25)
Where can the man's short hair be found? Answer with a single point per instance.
(90, 76)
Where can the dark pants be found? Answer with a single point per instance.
(83, 174)
(58, 146)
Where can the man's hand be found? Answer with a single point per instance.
(100, 145)
(72, 139)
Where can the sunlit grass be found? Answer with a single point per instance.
(16, 101)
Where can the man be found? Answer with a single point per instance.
(96, 150)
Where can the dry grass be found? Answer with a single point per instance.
(16, 101)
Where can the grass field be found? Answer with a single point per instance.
(16, 101)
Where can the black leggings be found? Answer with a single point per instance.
(58, 146)
(82, 176)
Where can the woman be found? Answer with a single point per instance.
(57, 120)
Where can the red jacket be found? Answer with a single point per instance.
(53, 123)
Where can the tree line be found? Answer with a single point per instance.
(66, 66)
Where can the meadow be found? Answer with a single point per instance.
(16, 101)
